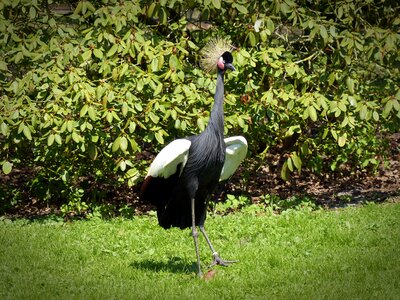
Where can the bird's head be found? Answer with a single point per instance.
(216, 55)
(225, 61)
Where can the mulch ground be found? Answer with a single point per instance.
(332, 189)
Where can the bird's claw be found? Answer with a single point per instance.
(219, 261)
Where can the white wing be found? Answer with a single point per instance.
(166, 162)
(236, 150)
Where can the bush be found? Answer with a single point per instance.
(88, 88)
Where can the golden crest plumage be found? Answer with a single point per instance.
(212, 51)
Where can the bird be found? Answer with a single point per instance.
(184, 174)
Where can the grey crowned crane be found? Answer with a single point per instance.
(185, 173)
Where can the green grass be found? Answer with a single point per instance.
(351, 253)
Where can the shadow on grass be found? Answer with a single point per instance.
(173, 265)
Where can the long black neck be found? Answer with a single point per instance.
(216, 122)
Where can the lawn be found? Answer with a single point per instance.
(336, 254)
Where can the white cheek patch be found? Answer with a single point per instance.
(221, 63)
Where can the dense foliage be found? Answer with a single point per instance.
(87, 87)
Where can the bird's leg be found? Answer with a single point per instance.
(217, 260)
(195, 235)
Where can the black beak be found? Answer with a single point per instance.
(229, 66)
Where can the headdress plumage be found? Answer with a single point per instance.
(212, 51)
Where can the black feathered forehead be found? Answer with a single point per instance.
(227, 57)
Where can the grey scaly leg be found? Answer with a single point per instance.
(195, 235)
(217, 260)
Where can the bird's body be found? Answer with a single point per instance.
(173, 203)
(186, 172)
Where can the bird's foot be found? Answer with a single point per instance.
(219, 261)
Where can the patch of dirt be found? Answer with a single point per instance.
(330, 190)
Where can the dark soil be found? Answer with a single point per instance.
(332, 189)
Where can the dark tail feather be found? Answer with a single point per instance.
(172, 209)
(157, 190)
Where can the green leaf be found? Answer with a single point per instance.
(331, 78)
(304, 148)
(122, 165)
(290, 164)
(139, 85)
(192, 45)
(65, 176)
(133, 176)
(388, 108)
(109, 117)
(123, 145)
(132, 127)
(92, 113)
(83, 111)
(27, 132)
(134, 145)
(352, 101)
(94, 138)
(183, 125)
(154, 65)
(18, 57)
(92, 150)
(123, 70)
(216, 3)
(116, 144)
(270, 25)
(342, 140)
(324, 34)
(296, 161)
(7, 167)
(334, 134)
(86, 55)
(112, 51)
(163, 15)
(115, 74)
(138, 106)
(3, 66)
(332, 31)
(396, 104)
(76, 137)
(98, 53)
(342, 106)
(50, 140)
(124, 109)
(154, 118)
(159, 137)
(241, 122)
(4, 129)
(90, 6)
(350, 85)
(363, 112)
(241, 8)
(285, 171)
(32, 12)
(252, 38)
(173, 62)
(150, 10)
(200, 123)
(312, 113)
(158, 89)
(58, 139)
